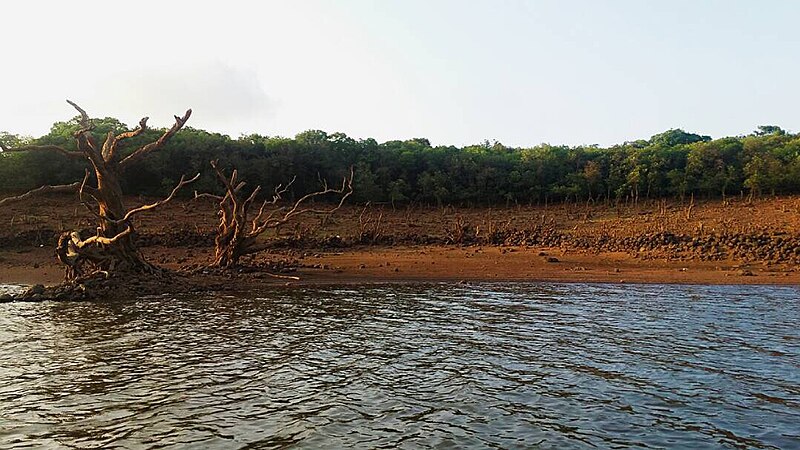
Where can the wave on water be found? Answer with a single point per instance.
(414, 366)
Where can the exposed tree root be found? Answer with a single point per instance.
(112, 249)
(237, 234)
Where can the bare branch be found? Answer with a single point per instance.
(150, 206)
(85, 139)
(112, 142)
(280, 189)
(92, 192)
(99, 239)
(249, 201)
(43, 190)
(230, 183)
(85, 123)
(283, 277)
(42, 148)
(148, 148)
(233, 240)
(85, 188)
(346, 190)
(258, 216)
(87, 145)
(135, 132)
(198, 195)
(228, 211)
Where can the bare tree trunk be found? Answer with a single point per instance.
(113, 247)
(237, 235)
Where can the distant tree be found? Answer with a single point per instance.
(766, 130)
(312, 137)
(398, 190)
(677, 136)
(674, 162)
(14, 140)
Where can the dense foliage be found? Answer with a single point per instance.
(670, 164)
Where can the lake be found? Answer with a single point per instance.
(412, 366)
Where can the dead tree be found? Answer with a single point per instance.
(112, 248)
(237, 234)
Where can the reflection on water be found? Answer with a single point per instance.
(553, 366)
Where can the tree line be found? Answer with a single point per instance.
(673, 164)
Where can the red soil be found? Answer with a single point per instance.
(416, 244)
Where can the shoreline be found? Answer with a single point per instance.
(438, 264)
(512, 264)
(714, 243)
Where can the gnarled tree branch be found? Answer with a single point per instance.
(85, 122)
(42, 148)
(234, 239)
(346, 190)
(102, 240)
(112, 142)
(183, 182)
(43, 190)
(113, 247)
(142, 151)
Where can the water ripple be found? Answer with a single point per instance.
(485, 365)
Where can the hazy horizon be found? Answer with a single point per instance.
(521, 73)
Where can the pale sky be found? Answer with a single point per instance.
(454, 71)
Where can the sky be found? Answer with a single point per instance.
(456, 72)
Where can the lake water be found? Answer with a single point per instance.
(410, 366)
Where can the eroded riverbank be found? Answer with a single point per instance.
(709, 243)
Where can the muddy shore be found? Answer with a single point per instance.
(732, 242)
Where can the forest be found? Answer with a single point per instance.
(673, 164)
